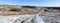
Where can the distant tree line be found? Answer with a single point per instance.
(29, 6)
(57, 8)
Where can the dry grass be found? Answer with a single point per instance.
(13, 10)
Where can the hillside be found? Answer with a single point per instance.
(17, 9)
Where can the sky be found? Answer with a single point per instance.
(20, 2)
(51, 3)
(32, 2)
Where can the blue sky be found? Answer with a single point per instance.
(32, 2)
(20, 2)
(50, 3)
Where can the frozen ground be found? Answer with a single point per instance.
(16, 18)
(51, 18)
(48, 18)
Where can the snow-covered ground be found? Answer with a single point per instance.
(15, 18)
(51, 18)
(48, 18)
